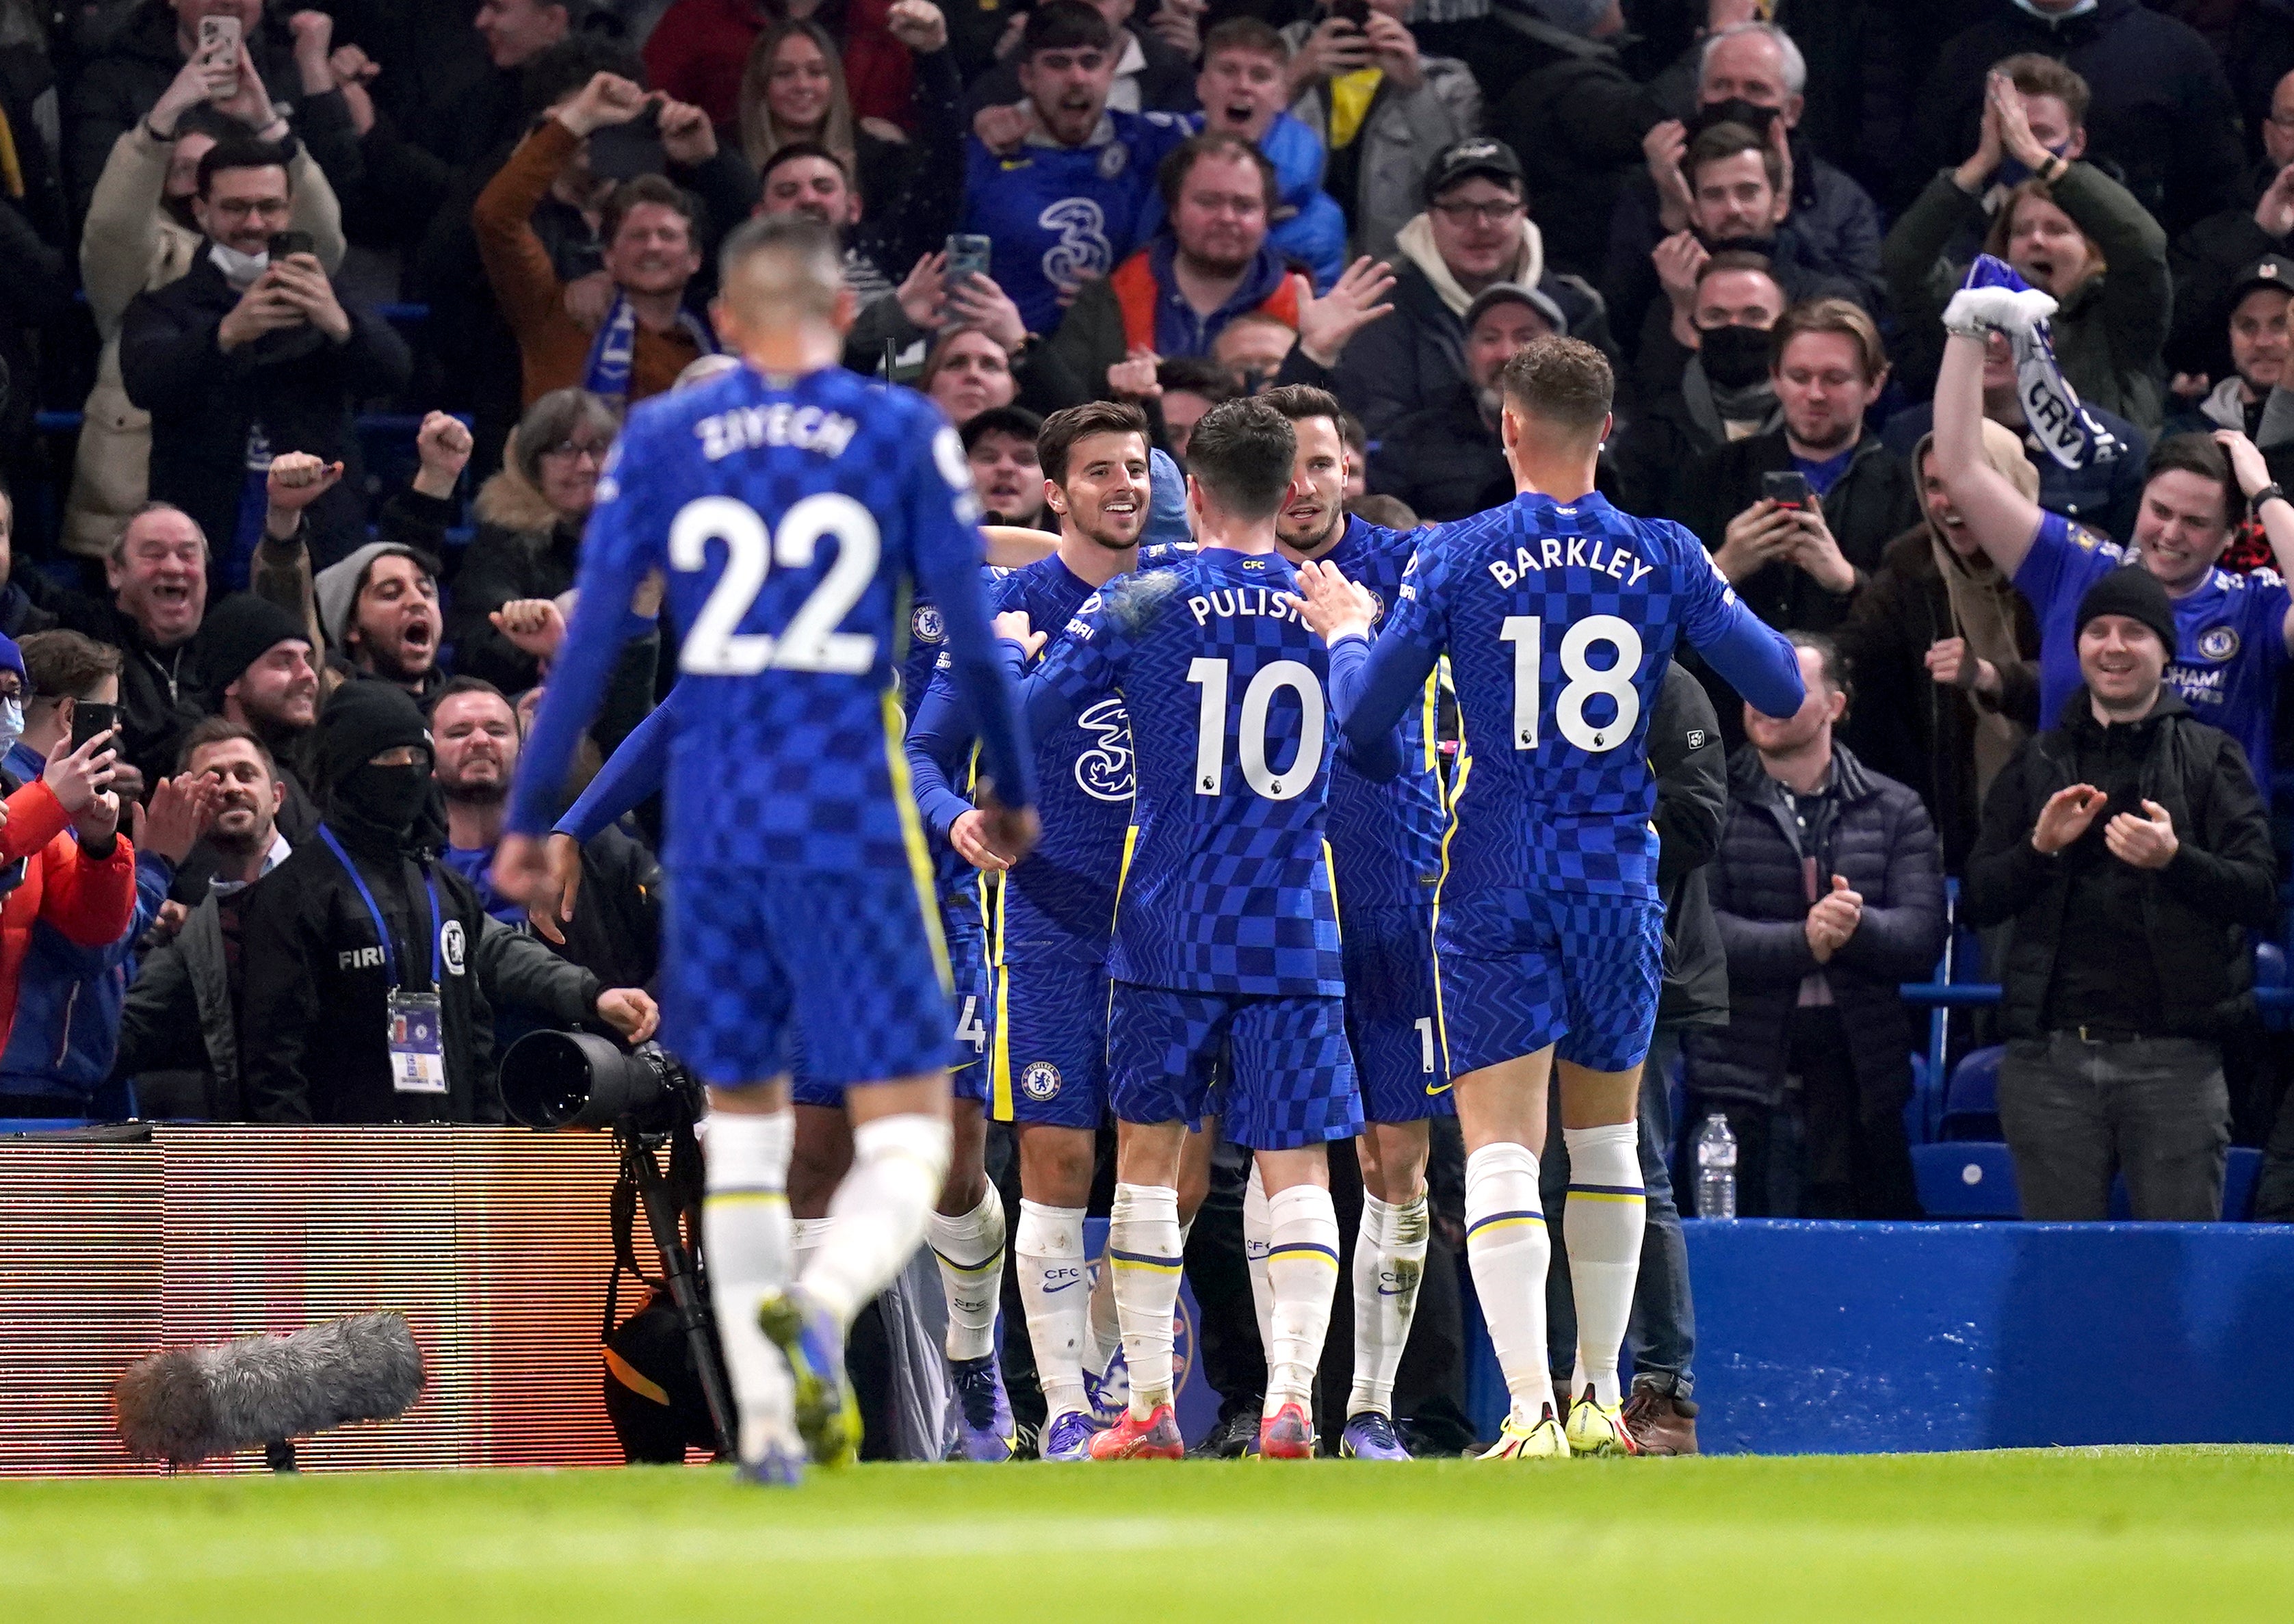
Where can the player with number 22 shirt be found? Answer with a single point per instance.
(797, 509)
(1560, 615)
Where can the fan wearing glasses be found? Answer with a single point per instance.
(1474, 232)
(530, 515)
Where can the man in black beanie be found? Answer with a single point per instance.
(2132, 851)
(255, 660)
(359, 1002)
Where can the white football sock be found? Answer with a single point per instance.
(1054, 1291)
(745, 1240)
(970, 1251)
(898, 1164)
(808, 1235)
(1102, 1332)
(1508, 1251)
(1389, 1260)
(1602, 1226)
(1142, 1248)
(1302, 1271)
(1258, 1228)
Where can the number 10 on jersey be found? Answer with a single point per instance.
(1526, 633)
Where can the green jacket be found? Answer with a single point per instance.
(2109, 335)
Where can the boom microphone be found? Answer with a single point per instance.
(189, 1404)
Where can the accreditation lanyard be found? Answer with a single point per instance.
(381, 927)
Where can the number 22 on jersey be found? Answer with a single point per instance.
(715, 646)
(1525, 632)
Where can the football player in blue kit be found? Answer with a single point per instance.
(1227, 978)
(1386, 857)
(1049, 936)
(1558, 614)
(796, 509)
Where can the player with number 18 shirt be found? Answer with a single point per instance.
(1558, 614)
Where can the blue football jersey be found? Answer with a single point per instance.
(1386, 838)
(1558, 621)
(1061, 214)
(1226, 885)
(796, 519)
(1059, 902)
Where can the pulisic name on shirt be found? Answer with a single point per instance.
(1571, 552)
(808, 429)
(1229, 602)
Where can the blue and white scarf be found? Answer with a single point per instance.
(2074, 437)
(615, 350)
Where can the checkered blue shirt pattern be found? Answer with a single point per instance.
(1539, 806)
(786, 766)
(1227, 889)
(1059, 900)
(1385, 839)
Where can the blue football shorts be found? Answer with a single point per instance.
(1274, 1069)
(1050, 1045)
(762, 963)
(1391, 1012)
(1521, 969)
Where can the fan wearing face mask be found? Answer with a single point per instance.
(1704, 382)
(361, 1000)
(1754, 76)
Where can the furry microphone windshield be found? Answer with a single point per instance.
(189, 1404)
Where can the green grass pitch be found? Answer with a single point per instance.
(2080, 1535)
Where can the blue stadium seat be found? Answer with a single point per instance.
(43, 1125)
(2239, 1180)
(1920, 1109)
(1970, 1179)
(1970, 1104)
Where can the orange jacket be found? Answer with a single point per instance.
(90, 902)
(553, 348)
(1133, 283)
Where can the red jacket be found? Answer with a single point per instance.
(90, 902)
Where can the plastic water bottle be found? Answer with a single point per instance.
(1716, 1169)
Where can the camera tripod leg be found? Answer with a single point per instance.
(677, 1268)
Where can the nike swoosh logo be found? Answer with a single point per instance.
(1397, 1291)
(1052, 1290)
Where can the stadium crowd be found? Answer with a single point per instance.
(318, 325)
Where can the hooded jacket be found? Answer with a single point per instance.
(1415, 358)
(1904, 722)
(80, 901)
(522, 549)
(1879, 839)
(1397, 139)
(2197, 912)
(131, 244)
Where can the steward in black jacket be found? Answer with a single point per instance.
(2189, 919)
(318, 973)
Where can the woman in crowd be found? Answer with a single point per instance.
(531, 516)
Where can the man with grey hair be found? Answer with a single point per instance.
(1752, 74)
